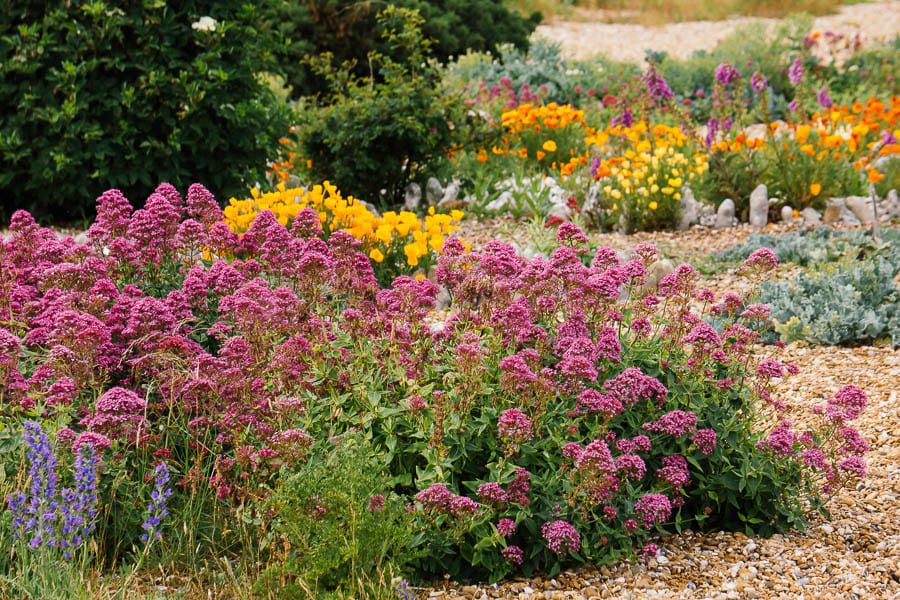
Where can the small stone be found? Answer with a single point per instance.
(450, 195)
(433, 191)
(725, 214)
(861, 206)
(811, 216)
(833, 210)
(560, 211)
(500, 202)
(690, 209)
(759, 206)
(413, 197)
(787, 214)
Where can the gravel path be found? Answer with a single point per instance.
(628, 42)
(855, 554)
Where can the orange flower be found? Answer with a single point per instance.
(874, 175)
(815, 189)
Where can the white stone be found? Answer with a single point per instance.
(787, 214)
(759, 206)
(413, 197)
(861, 206)
(725, 214)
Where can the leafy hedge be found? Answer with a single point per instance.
(349, 30)
(122, 95)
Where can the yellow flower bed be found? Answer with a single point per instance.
(391, 237)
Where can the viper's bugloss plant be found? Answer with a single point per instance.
(556, 414)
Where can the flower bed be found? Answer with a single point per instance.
(558, 415)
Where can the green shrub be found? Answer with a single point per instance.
(98, 95)
(345, 532)
(349, 31)
(374, 135)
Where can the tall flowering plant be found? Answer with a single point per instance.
(560, 412)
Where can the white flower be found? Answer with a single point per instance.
(204, 24)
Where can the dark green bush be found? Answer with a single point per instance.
(349, 30)
(375, 134)
(124, 95)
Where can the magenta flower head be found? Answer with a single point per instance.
(514, 427)
(506, 527)
(847, 404)
(657, 85)
(795, 72)
(824, 98)
(571, 234)
(726, 74)
(705, 441)
(561, 537)
(513, 554)
(761, 260)
(758, 82)
(653, 508)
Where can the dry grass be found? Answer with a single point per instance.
(657, 12)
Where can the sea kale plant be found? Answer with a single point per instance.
(847, 296)
(556, 414)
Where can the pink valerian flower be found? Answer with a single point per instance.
(641, 327)
(605, 258)
(570, 234)
(653, 509)
(630, 526)
(815, 458)
(780, 440)
(674, 471)
(514, 427)
(610, 512)
(854, 443)
(641, 443)
(491, 493)
(118, 413)
(202, 206)
(416, 405)
(705, 441)
(292, 445)
(376, 503)
(757, 312)
(596, 459)
(461, 506)
(631, 385)
(846, 404)
(435, 498)
(607, 347)
(97, 441)
(506, 527)
(646, 252)
(572, 451)
(703, 337)
(591, 401)
(761, 260)
(561, 537)
(515, 374)
(649, 552)
(675, 423)
(631, 466)
(770, 369)
(517, 491)
(513, 554)
(678, 282)
(854, 466)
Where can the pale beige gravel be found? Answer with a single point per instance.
(853, 555)
(629, 42)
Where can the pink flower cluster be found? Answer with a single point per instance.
(438, 499)
(561, 537)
